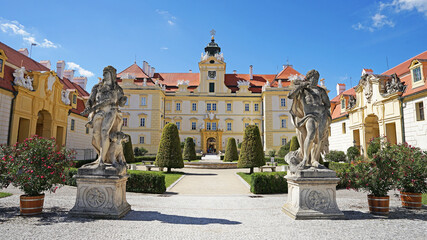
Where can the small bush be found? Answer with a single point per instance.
(284, 149)
(145, 158)
(266, 182)
(335, 156)
(374, 146)
(294, 144)
(341, 169)
(128, 151)
(139, 151)
(239, 146)
(145, 182)
(69, 177)
(189, 149)
(231, 151)
(272, 153)
(276, 160)
(352, 153)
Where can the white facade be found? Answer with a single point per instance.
(415, 130)
(78, 138)
(338, 139)
(5, 105)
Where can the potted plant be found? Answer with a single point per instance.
(412, 174)
(375, 175)
(35, 166)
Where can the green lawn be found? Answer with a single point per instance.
(3, 194)
(424, 198)
(245, 176)
(172, 177)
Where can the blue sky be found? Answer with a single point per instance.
(337, 38)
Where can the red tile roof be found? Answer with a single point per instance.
(336, 103)
(134, 70)
(171, 79)
(287, 72)
(349, 92)
(18, 59)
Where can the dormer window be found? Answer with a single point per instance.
(417, 69)
(74, 99)
(343, 103)
(3, 59)
(416, 73)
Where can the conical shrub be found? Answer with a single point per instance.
(128, 151)
(231, 151)
(189, 149)
(169, 154)
(294, 144)
(251, 153)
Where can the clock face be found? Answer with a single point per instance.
(212, 74)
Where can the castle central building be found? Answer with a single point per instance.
(210, 106)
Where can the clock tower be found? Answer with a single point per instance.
(212, 69)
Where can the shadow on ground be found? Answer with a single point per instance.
(174, 219)
(201, 174)
(395, 213)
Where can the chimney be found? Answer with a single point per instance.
(82, 81)
(148, 70)
(60, 67)
(191, 71)
(23, 51)
(144, 67)
(367, 71)
(234, 72)
(251, 68)
(340, 88)
(69, 74)
(152, 71)
(45, 63)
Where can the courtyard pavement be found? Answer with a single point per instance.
(208, 204)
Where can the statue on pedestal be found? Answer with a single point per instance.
(311, 116)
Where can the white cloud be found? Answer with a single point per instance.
(15, 28)
(167, 16)
(409, 5)
(164, 48)
(82, 72)
(379, 20)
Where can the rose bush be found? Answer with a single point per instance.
(34, 166)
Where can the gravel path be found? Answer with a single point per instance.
(184, 216)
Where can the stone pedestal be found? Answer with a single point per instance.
(101, 196)
(312, 195)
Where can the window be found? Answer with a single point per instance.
(343, 103)
(283, 123)
(194, 107)
(229, 107)
(178, 125)
(74, 99)
(127, 101)
(420, 111)
(178, 106)
(208, 126)
(193, 125)
(343, 128)
(208, 106)
(141, 140)
(283, 141)
(168, 106)
(416, 72)
(229, 126)
(246, 124)
(214, 126)
(213, 106)
(142, 122)
(125, 122)
(143, 101)
(256, 107)
(246, 107)
(283, 102)
(211, 87)
(72, 124)
(1, 65)
(87, 130)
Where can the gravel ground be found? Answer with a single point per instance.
(177, 216)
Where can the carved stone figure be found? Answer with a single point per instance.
(312, 118)
(367, 85)
(20, 80)
(351, 101)
(65, 97)
(394, 85)
(106, 120)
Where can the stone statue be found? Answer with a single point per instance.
(311, 116)
(65, 96)
(394, 85)
(106, 120)
(20, 80)
(351, 101)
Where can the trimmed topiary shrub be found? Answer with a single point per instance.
(335, 156)
(169, 154)
(231, 151)
(145, 182)
(269, 182)
(145, 158)
(294, 144)
(251, 153)
(284, 149)
(352, 153)
(139, 151)
(128, 151)
(189, 150)
(272, 153)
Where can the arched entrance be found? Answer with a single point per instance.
(44, 124)
(372, 129)
(211, 145)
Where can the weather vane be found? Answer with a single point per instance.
(213, 32)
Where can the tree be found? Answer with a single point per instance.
(231, 151)
(127, 150)
(284, 149)
(251, 153)
(189, 149)
(294, 144)
(169, 154)
(352, 153)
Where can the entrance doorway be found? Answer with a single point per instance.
(211, 145)
(390, 129)
(44, 124)
(372, 129)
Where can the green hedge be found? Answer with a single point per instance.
(340, 169)
(145, 182)
(276, 160)
(79, 163)
(145, 158)
(138, 181)
(269, 182)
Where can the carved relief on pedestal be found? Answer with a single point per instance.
(95, 197)
(317, 200)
